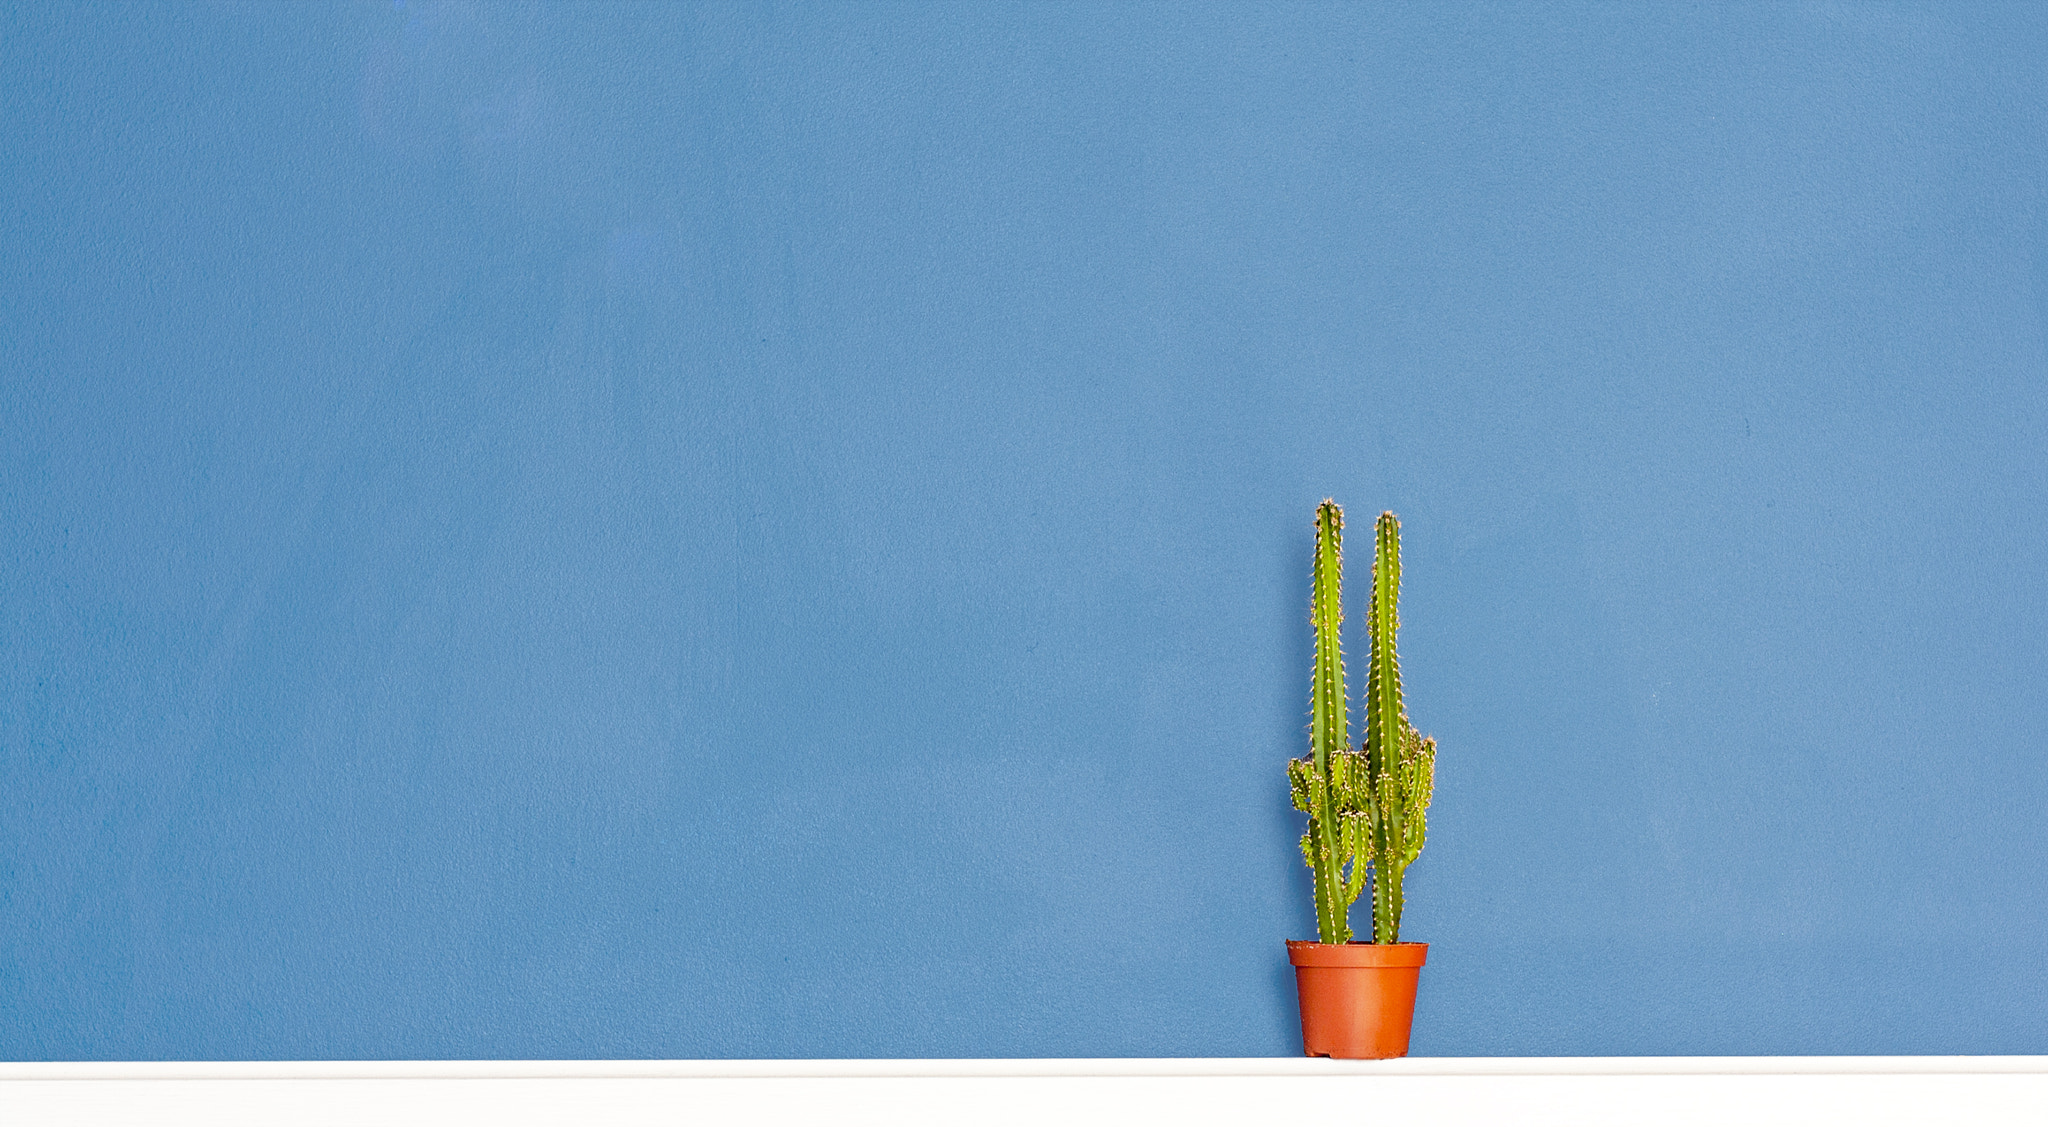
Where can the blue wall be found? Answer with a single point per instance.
(783, 531)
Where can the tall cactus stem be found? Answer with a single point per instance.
(1385, 724)
(1329, 736)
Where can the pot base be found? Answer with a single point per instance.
(1357, 999)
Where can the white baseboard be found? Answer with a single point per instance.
(1415, 1092)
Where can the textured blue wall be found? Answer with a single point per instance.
(783, 531)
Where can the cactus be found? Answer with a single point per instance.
(1366, 808)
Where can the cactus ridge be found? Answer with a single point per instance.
(1367, 808)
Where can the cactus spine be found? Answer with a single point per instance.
(1366, 807)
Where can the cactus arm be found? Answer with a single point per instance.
(1420, 787)
(1418, 784)
(1357, 842)
(1387, 899)
(1307, 789)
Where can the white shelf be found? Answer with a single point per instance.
(1413, 1092)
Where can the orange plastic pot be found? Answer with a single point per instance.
(1357, 999)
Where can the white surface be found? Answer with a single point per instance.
(1412, 1093)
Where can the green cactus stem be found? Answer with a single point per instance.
(1328, 734)
(1327, 785)
(1399, 760)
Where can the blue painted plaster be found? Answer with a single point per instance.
(765, 530)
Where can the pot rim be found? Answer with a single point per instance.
(1309, 953)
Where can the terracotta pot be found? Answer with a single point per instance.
(1357, 999)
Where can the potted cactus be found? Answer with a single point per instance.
(1365, 808)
